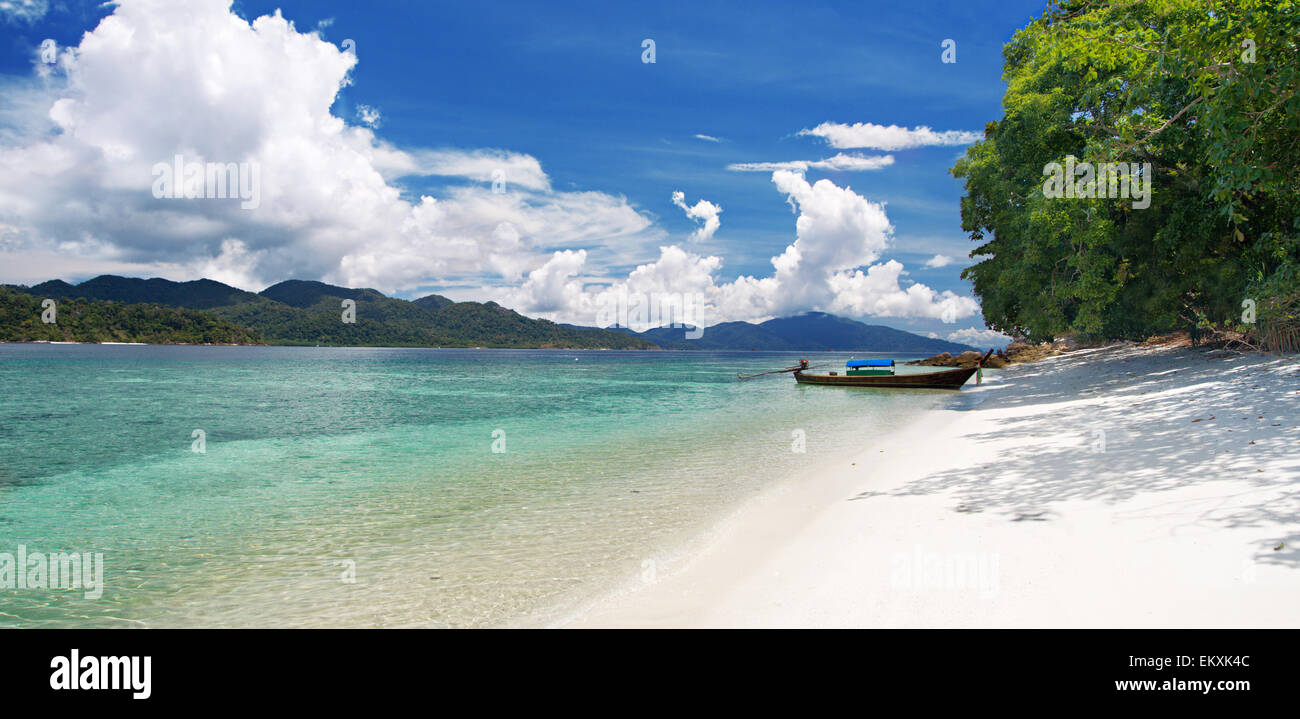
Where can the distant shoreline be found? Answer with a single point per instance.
(307, 313)
(897, 353)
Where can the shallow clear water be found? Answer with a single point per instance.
(383, 458)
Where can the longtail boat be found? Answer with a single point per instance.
(880, 373)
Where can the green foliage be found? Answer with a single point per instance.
(1277, 318)
(1169, 82)
(86, 320)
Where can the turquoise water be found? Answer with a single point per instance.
(321, 461)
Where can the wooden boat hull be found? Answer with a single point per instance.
(946, 379)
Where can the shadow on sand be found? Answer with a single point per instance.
(1114, 423)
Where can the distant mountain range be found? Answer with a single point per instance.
(811, 331)
(301, 312)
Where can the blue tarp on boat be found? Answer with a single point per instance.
(870, 363)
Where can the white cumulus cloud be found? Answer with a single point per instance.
(704, 212)
(837, 233)
(158, 79)
(878, 292)
(977, 337)
(369, 116)
(888, 137)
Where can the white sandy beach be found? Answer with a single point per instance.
(1118, 487)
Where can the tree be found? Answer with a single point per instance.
(1206, 93)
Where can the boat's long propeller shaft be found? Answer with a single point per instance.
(783, 371)
(760, 374)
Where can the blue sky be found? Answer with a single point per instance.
(564, 83)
